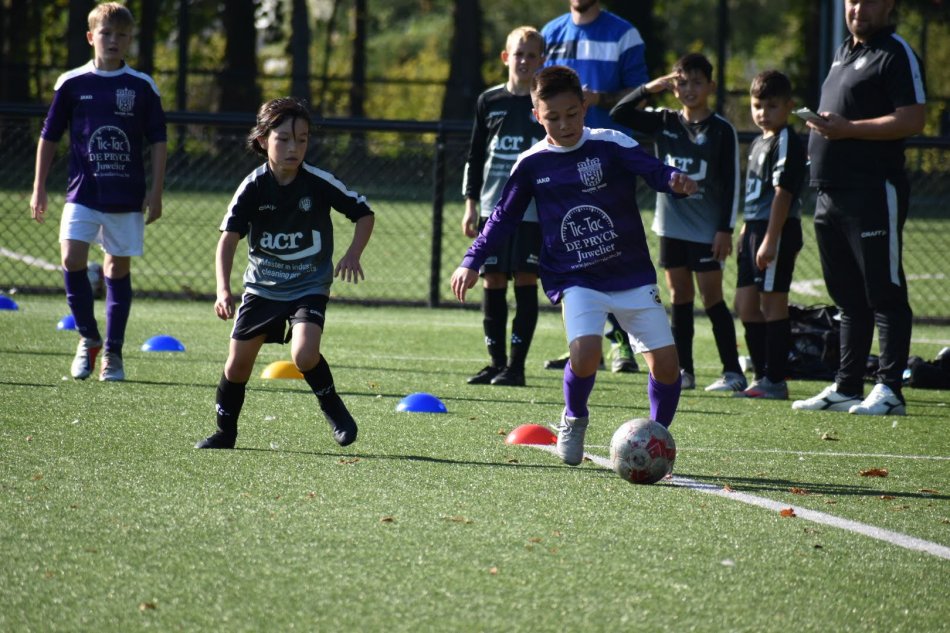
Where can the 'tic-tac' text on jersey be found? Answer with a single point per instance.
(110, 115)
(591, 230)
(289, 230)
(504, 127)
(775, 161)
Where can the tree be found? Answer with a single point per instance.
(15, 71)
(237, 82)
(148, 24)
(77, 46)
(300, 50)
(358, 81)
(465, 61)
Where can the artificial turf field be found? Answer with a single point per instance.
(111, 521)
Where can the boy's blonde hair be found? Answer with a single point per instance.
(111, 12)
(524, 34)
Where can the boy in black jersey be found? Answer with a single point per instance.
(771, 235)
(283, 208)
(504, 127)
(695, 232)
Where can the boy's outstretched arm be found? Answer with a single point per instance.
(682, 184)
(154, 200)
(223, 264)
(45, 153)
(462, 280)
(349, 268)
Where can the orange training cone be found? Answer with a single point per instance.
(281, 369)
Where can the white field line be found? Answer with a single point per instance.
(28, 259)
(801, 453)
(894, 538)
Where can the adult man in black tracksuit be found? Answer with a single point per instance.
(872, 99)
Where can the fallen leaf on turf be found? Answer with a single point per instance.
(512, 460)
(493, 571)
(147, 606)
(727, 488)
(29, 438)
(311, 495)
(348, 460)
(888, 497)
(534, 539)
(830, 437)
(874, 472)
(556, 533)
(831, 501)
(929, 491)
(787, 512)
(387, 519)
(798, 491)
(37, 476)
(458, 518)
(817, 546)
(502, 432)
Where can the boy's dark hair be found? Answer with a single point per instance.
(555, 80)
(272, 115)
(694, 62)
(771, 84)
(112, 13)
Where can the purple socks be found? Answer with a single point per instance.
(577, 392)
(79, 300)
(118, 305)
(663, 400)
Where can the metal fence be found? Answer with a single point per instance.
(411, 174)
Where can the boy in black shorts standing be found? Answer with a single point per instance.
(504, 127)
(695, 232)
(283, 208)
(771, 236)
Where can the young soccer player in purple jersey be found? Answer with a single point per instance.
(504, 127)
(695, 232)
(594, 254)
(283, 209)
(111, 112)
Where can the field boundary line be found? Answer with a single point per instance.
(29, 260)
(704, 449)
(895, 538)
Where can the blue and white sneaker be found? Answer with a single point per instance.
(729, 381)
(828, 400)
(85, 360)
(881, 401)
(570, 438)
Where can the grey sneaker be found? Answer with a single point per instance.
(689, 380)
(622, 358)
(828, 400)
(112, 369)
(85, 360)
(881, 401)
(729, 381)
(570, 439)
(765, 389)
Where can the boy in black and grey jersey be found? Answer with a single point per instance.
(695, 232)
(771, 236)
(504, 127)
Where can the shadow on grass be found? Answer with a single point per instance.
(806, 488)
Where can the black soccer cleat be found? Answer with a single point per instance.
(485, 376)
(218, 439)
(509, 377)
(339, 419)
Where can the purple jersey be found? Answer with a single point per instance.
(110, 115)
(586, 195)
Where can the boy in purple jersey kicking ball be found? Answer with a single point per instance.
(594, 254)
(283, 209)
(111, 111)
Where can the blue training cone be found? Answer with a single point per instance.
(68, 322)
(163, 343)
(6, 303)
(421, 403)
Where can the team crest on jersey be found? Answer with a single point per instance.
(861, 62)
(700, 139)
(125, 99)
(590, 171)
(305, 204)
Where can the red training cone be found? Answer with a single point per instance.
(531, 434)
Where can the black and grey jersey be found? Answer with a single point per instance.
(504, 127)
(289, 230)
(777, 160)
(707, 151)
(866, 81)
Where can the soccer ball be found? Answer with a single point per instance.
(97, 278)
(642, 451)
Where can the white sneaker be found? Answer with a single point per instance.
(881, 401)
(85, 360)
(828, 400)
(570, 438)
(730, 381)
(689, 380)
(112, 369)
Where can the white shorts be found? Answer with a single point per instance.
(639, 311)
(119, 234)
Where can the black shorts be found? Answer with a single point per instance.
(777, 277)
(520, 254)
(276, 319)
(696, 256)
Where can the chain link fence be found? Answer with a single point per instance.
(411, 174)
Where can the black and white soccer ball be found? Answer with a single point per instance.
(642, 451)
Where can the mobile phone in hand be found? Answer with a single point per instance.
(808, 115)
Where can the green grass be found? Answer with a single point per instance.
(113, 522)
